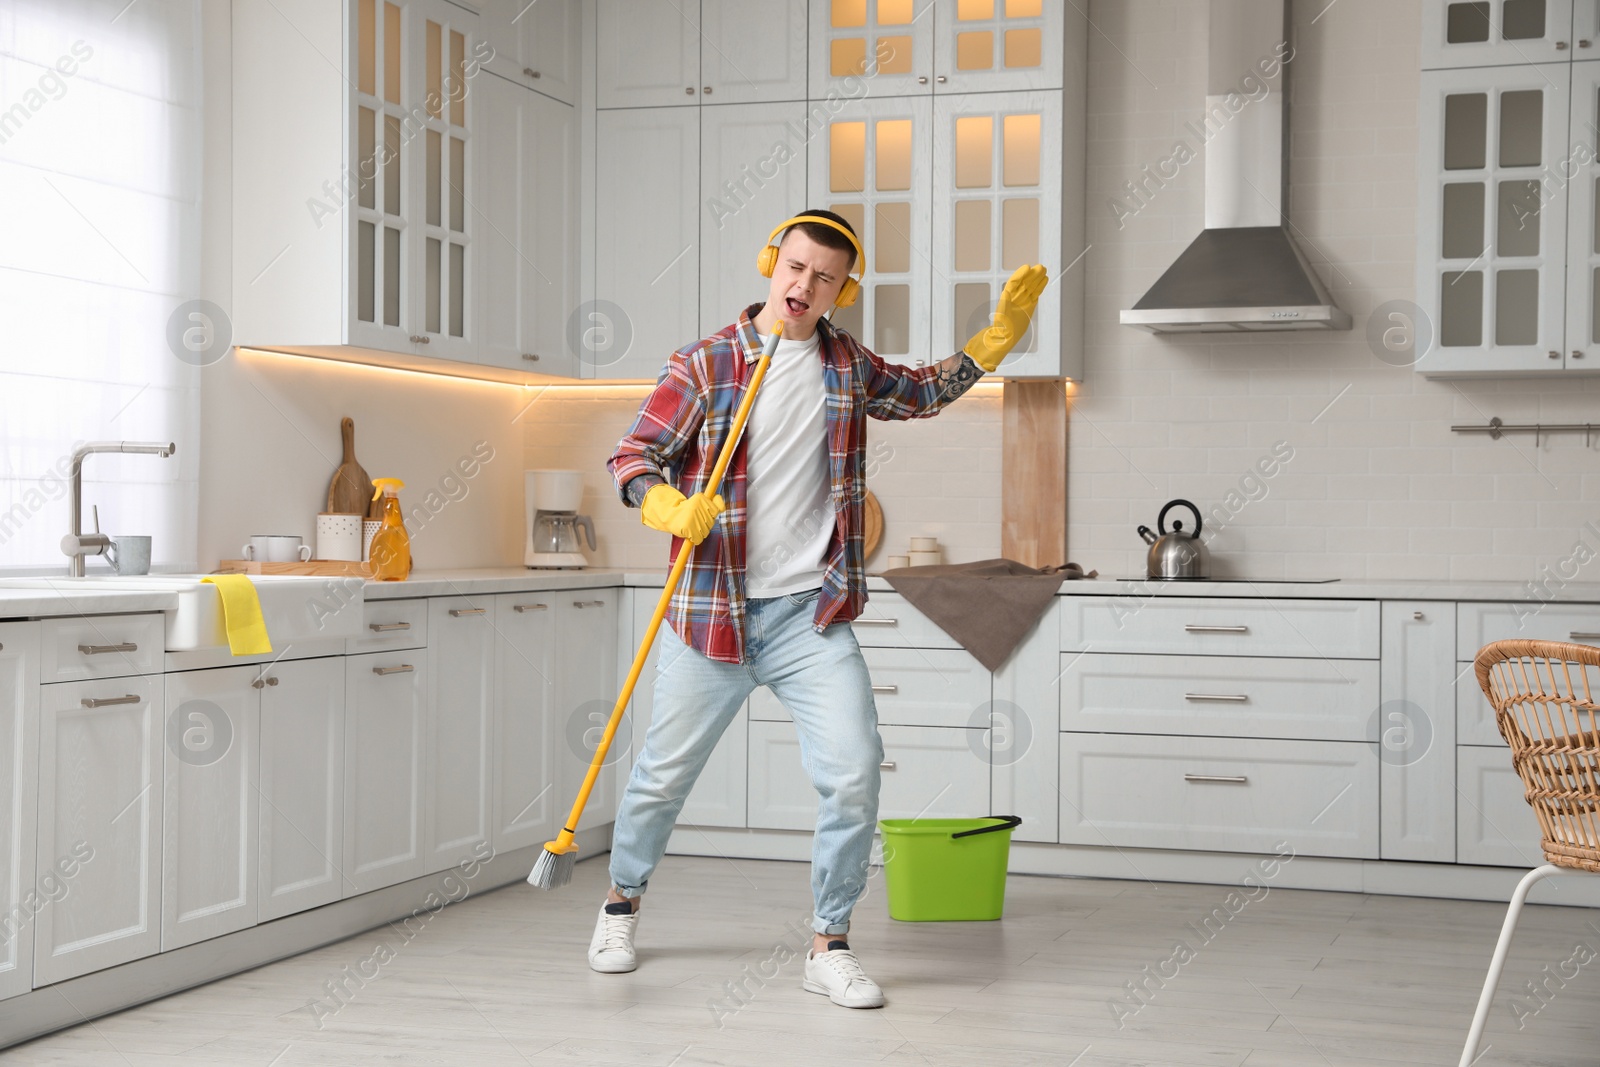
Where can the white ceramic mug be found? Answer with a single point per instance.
(130, 554)
(339, 536)
(276, 548)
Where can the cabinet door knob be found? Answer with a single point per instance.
(1583, 42)
(1417, 615)
(531, 357)
(529, 72)
(941, 79)
(707, 90)
(1577, 353)
(259, 682)
(1561, 46)
(419, 339)
(922, 80)
(887, 765)
(689, 89)
(1554, 354)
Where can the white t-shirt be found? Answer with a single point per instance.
(790, 516)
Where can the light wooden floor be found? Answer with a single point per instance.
(1295, 978)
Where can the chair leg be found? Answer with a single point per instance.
(1497, 964)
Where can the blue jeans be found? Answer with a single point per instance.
(823, 681)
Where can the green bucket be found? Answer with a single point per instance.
(946, 870)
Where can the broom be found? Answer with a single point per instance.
(554, 866)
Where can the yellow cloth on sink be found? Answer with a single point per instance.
(241, 614)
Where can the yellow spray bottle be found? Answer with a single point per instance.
(390, 554)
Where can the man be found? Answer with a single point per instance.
(777, 571)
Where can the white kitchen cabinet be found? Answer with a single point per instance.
(528, 801)
(210, 801)
(1492, 241)
(1228, 794)
(1483, 33)
(1024, 720)
(1579, 170)
(1415, 734)
(699, 51)
(79, 647)
(718, 797)
(529, 267)
(911, 47)
(19, 804)
(647, 241)
(1494, 824)
(910, 687)
(752, 176)
(536, 44)
(587, 631)
(1222, 626)
(356, 190)
(384, 769)
(927, 773)
(872, 163)
(997, 167)
(458, 794)
(100, 804)
(302, 785)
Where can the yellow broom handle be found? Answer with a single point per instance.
(723, 459)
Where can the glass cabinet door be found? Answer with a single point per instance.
(380, 270)
(886, 44)
(997, 206)
(870, 164)
(1483, 33)
(444, 223)
(1492, 253)
(1578, 175)
(986, 45)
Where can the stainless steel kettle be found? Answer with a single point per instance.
(1179, 554)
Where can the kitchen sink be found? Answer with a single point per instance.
(295, 607)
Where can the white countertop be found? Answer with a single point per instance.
(42, 603)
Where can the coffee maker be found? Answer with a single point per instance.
(552, 499)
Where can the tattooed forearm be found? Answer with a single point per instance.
(639, 485)
(956, 375)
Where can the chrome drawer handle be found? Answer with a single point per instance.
(521, 608)
(886, 689)
(456, 613)
(404, 668)
(1231, 779)
(1230, 698)
(1196, 628)
(887, 765)
(96, 650)
(106, 702)
(875, 622)
(1583, 635)
(588, 603)
(385, 627)
(260, 682)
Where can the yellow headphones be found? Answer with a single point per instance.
(767, 260)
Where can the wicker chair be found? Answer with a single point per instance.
(1544, 699)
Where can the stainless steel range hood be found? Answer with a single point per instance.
(1245, 270)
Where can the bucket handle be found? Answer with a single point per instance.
(1007, 822)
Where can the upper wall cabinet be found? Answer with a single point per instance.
(536, 43)
(360, 217)
(655, 54)
(907, 47)
(1492, 33)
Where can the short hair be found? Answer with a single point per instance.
(827, 236)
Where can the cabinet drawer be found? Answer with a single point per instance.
(1222, 696)
(889, 621)
(1220, 626)
(911, 687)
(1494, 824)
(929, 772)
(100, 646)
(1220, 794)
(1480, 623)
(390, 625)
(1475, 716)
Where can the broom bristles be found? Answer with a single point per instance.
(552, 871)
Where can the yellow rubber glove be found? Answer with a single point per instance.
(690, 518)
(1011, 317)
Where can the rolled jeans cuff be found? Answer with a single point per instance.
(821, 926)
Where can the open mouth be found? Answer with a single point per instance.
(796, 307)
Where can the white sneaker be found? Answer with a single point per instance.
(611, 948)
(838, 974)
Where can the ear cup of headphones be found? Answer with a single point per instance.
(849, 292)
(767, 260)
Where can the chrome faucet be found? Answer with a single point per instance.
(77, 544)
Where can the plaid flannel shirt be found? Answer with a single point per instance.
(681, 427)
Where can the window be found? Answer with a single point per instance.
(99, 252)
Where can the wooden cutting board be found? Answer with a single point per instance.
(872, 523)
(332, 568)
(350, 491)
